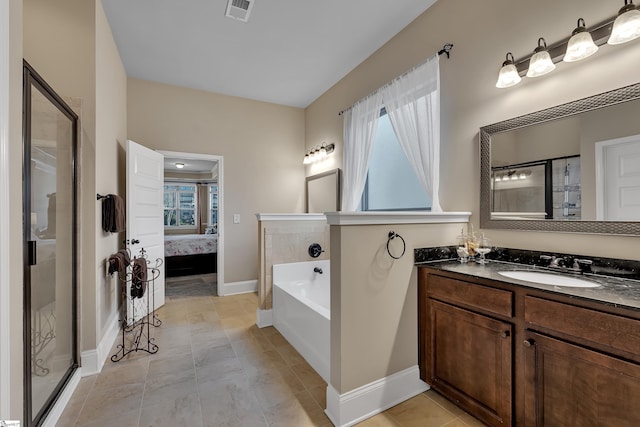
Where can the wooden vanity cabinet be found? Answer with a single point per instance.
(571, 385)
(516, 356)
(567, 384)
(469, 354)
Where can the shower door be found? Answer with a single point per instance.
(49, 222)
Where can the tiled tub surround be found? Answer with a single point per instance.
(619, 280)
(285, 238)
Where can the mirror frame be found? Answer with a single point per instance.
(332, 173)
(613, 97)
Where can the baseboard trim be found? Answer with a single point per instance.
(264, 318)
(93, 360)
(235, 288)
(63, 400)
(354, 406)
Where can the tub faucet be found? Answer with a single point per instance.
(317, 270)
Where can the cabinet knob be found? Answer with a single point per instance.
(529, 343)
(505, 334)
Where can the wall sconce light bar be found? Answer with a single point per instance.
(621, 28)
(320, 152)
(600, 34)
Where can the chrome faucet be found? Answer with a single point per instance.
(557, 262)
(317, 270)
(567, 263)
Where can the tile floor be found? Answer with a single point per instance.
(216, 368)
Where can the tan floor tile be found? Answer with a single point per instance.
(103, 405)
(290, 355)
(250, 345)
(319, 394)
(183, 410)
(124, 419)
(215, 367)
(455, 423)
(204, 355)
(380, 420)
(420, 411)
(225, 369)
(308, 376)
(278, 340)
(471, 421)
(170, 385)
(230, 402)
(274, 387)
(116, 374)
(300, 411)
(254, 363)
(446, 404)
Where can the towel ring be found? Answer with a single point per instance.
(393, 235)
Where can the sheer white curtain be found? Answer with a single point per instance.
(360, 126)
(413, 104)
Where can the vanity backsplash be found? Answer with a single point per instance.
(625, 269)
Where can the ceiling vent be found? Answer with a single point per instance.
(239, 9)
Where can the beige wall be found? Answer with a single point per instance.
(111, 134)
(11, 393)
(481, 37)
(59, 42)
(262, 148)
(374, 320)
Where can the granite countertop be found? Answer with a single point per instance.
(614, 291)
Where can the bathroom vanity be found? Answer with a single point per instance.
(519, 353)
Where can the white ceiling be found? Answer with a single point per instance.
(191, 166)
(290, 51)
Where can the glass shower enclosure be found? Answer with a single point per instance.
(50, 254)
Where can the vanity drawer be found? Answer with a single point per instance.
(490, 300)
(618, 332)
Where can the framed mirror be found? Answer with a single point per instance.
(574, 167)
(323, 192)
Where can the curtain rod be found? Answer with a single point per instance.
(446, 49)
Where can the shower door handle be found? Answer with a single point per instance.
(31, 252)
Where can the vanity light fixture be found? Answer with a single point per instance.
(320, 152)
(626, 27)
(179, 165)
(580, 44)
(540, 63)
(620, 28)
(508, 75)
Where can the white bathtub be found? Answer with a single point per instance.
(301, 310)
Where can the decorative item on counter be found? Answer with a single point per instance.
(472, 242)
(483, 248)
(461, 249)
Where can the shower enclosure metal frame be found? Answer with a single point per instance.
(32, 79)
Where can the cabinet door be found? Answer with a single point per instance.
(469, 361)
(568, 385)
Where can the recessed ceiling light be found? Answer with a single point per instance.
(179, 165)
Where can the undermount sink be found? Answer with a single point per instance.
(549, 279)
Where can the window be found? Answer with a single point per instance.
(213, 206)
(180, 205)
(391, 182)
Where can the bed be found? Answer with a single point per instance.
(188, 254)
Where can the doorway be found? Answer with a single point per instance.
(209, 220)
(618, 179)
(50, 246)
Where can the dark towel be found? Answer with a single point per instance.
(119, 261)
(113, 214)
(139, 278)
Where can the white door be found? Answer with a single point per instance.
(145, 226)
(618, 179)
